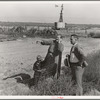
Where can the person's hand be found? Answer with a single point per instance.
(67, 55)
(51, 54)
(38, 70)
(43, 70)
(38, 42)
(58, 41)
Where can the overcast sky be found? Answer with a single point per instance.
(76, 12)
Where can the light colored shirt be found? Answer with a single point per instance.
(73, 58)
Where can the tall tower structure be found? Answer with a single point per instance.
(61, 14)
(60, 24)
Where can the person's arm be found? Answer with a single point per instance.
(60, 47)
(34, 67)
(37, 70)
(45, 42)
(80, 55)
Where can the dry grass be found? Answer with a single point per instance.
(63, 86)
(18, 57)
(92, 72)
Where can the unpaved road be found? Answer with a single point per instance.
(17, 57)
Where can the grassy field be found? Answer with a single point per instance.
(17, 58)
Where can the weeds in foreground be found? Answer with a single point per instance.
(92, 72)
(63, 86)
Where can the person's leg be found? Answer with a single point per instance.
(73, 74)
(79, 74)
(49, 59)
(59, 64)
(36, 78)
(56, 62)
(54, 69)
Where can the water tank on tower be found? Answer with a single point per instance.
(60, 24)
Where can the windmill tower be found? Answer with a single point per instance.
(61, 14)
(60, 24)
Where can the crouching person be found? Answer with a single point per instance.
(38, 69)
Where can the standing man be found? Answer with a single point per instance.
(77, 60)
(54, 54)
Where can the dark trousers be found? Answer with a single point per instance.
(58, 63)
(36, 77)
(55, 61)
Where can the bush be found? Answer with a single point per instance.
(33, 32)
(97, 35)
(61, 86)
(94, 35)
(91, 34)
(92, 72)
(45, 33)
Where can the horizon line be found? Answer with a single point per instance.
(45, 22)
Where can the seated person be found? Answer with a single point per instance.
(38, 70)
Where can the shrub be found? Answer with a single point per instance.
(91, 34)
(33, 32)
(92, 72)
(97, 35)
(94, 35)
(61, 86)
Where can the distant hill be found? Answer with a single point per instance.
(25, 24)
(39, 24)
(83, 26)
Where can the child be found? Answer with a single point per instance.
(37, 67)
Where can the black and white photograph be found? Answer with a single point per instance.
(50, 48)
